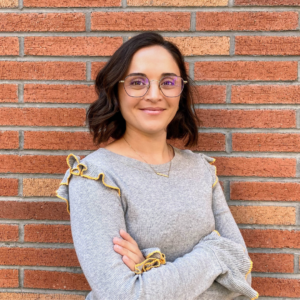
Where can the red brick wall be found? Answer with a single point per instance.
(243, 55)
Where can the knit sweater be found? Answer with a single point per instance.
(182, 224)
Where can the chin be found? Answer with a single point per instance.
(152, 129)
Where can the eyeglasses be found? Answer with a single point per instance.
(138, 85)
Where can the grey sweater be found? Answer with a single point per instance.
(183, 218)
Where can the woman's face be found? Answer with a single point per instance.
(152, 61)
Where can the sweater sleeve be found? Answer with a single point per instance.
(225, 225)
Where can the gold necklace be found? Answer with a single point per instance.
(161, 174)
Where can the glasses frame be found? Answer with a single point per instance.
(123, 81)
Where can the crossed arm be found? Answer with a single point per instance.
(225, 225)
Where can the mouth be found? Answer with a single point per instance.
(153, 111)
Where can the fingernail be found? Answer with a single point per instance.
(122, 230)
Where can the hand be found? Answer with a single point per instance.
(129, 249)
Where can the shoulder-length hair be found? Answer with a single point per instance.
(104, 117)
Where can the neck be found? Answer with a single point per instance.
(154, 150)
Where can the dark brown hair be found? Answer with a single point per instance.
(104, 117)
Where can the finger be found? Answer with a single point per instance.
(128, 262)
(125, 244)
(122, 251)
(127, 237)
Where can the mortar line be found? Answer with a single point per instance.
(228, 94)
(232, 45)
(296, 264)
(88, 72)
(88, 21)
(228, 142)
(21, 277)
(21, 46)
(193, 22)
(20, 94)
(298, 167)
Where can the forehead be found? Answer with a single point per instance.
(153, 61)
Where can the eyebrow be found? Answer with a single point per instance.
(162, 74)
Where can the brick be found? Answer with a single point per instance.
(96, 67)
(9, 233)
(9, 278)
(206, 142)
(264, 94)
(28, 22)
(9, 45)
(9, 187)
(241, 118)
(137, 21)
(59, 93)
(246, 70)
(211, 94)
(31, 296)
(18, 210)
(272, 262)
(267, 215)
(256, 166)
(40, 187)
(41, 164)
(267, 2)
(15, 256)
(271, 142)
(53, 280)
(267, 45)
(9, 139)
(72, 46)
(14, 70)
(187, 67)
(40, 233)
(202, 45)
(177, 3)
(277, 287)
(8, 3)
(246, 21)
(271, 238)
(8, 93)
(211, 142)
(71, 3)
(54, 140)
(42, 116)
(265, 191)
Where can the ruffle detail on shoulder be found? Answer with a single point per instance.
(78, 168)
(153, 260)
(212, 168)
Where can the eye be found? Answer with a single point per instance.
(138, 81)
(169, 81)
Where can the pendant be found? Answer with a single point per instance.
(162, 174)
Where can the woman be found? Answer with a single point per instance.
(149, 220)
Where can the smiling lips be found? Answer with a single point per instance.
(153, 110)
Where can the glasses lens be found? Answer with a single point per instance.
(171, 86)
(136, 86)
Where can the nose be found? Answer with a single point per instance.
(154, 91)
